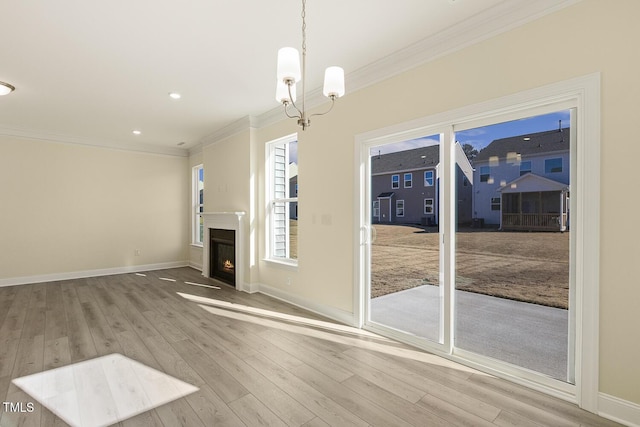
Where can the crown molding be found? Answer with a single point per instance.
(485, 25)
(225, 132)
(69, 139)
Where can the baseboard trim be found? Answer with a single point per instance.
(333, 313)
(619, 410)
(195, 266)
(54, 277)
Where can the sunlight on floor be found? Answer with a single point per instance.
(102, 391)
(319, 329)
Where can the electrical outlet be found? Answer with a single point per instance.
(137, 252)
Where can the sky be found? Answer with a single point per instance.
(481, 137)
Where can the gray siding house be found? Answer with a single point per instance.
(522, 182)
(404, 186)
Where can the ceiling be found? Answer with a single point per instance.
(93, 71)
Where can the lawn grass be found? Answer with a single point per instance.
(524, 266)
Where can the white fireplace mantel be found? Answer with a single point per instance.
(224, 221)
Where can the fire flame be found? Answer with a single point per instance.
(228, 265)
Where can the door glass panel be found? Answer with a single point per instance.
(512, 285)
(406, 285)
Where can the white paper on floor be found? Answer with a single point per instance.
(103, 391)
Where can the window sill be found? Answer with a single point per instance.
(287, 264)
(197, 245)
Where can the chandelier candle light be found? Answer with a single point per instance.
(6, 88)
(289, 73)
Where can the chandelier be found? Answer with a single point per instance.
(289, 73)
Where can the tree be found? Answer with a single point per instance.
(470, 152)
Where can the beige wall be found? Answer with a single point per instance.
(591, 36)
(68, 208)
(229, 180)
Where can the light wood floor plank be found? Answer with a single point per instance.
(251, 369)
(80, 339)
(411, 413)
(211, 409)
(317, 402)
(254, 413)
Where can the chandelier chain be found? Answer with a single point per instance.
(304, 57)
(304, 27)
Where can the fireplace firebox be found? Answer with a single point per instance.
(222, 253)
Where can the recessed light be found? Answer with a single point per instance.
(137, 132)
(6, 88)
(174, 95)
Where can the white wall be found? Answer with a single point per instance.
(591, 36)
(68, 208)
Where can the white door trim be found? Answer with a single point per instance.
(582, 93)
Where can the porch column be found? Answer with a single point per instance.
(562, 214)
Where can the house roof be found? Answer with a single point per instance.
(386, 195)
(531, 182)
(417, 158)
(538, 143)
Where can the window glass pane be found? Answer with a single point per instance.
(406, 290)
(525, 167)
(484, 173)
(553, 165)
(512, 272)
(283, 231)
(408, 180)
(198, 204)
(428, 178)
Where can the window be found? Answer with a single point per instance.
(282, 194)
(485, 171)
(525, 167)
(428, 178)
(399, 207)
(408, 180)
(428, 206)
(395, 181)
(553, 165)
(495, 203)
(197, 226)
(376, 208)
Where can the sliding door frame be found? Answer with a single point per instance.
(581, 93)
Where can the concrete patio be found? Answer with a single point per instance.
(527, 335)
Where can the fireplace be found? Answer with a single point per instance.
(222, 253)
(231, 225)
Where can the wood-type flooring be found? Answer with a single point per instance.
(256, 362)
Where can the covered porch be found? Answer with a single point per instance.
(534, 203)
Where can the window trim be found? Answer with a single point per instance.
(196, 207)
(492, 203)
(398, 208)
(271, 202)
(395, 185)
(376, 207)
(426, 180)
(432, 206)
(404, 176)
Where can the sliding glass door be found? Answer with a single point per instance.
(467, 242)
(405, 288)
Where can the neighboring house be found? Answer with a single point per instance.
(293, 189)
(404, 186)
(522, 182)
